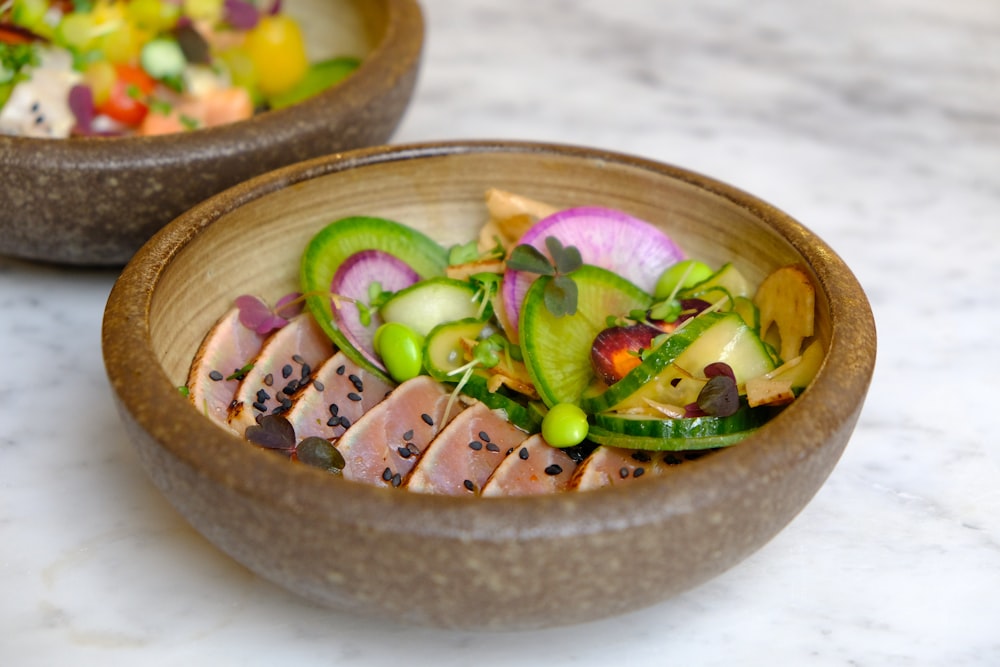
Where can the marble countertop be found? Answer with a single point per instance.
(874, 122)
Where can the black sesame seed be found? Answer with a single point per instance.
(262, 396)
(334, 409)
(639, 472)
(484, 436)
(523, 453)
(306, 371)
(553, 469)
(469, 485)
(333, 421)
(319, 385)
(341, 369)
(492, 446)
(387, 474)
(285, 402)
(260, 407)
(356, 381)
(642, 457)
(298, 359)
(413, 448)
(427, 419)
(354, 397)
(671, 459)
(408, 435)
(476, 445)
(675, 382)
(623, 472)
(216, 375)
(404, 452)
(397, 479)
(291, 387)
(269, 379)
(509, 450)
(286, 370)
(345, 422)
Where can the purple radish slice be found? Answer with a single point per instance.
(610, 239)
(352, 280)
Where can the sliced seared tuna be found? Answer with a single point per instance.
(465, 454)
(340, 392)
(284, 365)
(219, 365)
(533, 468)
(610, 466)
(384, 445)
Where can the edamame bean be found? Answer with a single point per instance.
(685, 273)
(401, 349)
(565, 425)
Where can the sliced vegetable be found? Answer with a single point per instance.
(557, 349)
(431, 302)
(613, 240)
(318, 77)
(331, 247)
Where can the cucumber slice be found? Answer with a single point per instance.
(656, 363)
(603, 436)
(444, 351)
(745, 308)
(427, 304)
(341, 239)
(728, 277)
(557, 349)
(519, 413)
(674, 372)
(744, 419)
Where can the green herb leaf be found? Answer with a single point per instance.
(561, 296)
(241, 373)
(528, 258)
(567, 258)
(463, 254)
(667, 311)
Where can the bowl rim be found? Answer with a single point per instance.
(783, 446)
(398, 50)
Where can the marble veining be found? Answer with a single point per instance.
(874, 122)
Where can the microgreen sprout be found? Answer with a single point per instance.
(561, 292)
(488, 286)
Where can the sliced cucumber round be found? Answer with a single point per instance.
(428, 303)
(518, 412)
(744, 419)
(603, 436)
(557, 348)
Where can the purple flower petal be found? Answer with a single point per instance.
(81, 103)
(253, 311)
(241, 14)
(289, 305)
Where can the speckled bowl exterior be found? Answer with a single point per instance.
(95, 201)
(468, 562)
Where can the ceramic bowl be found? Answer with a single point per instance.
(466, 562)
(95, 201)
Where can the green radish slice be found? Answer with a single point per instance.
(336, 242)
(431, 302)
(557, 349)
(611, 239)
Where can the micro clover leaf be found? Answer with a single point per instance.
(256, 315)
(273, 432)
(560, 293)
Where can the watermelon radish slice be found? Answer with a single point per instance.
(557, 349)
(610, 239)
(331, 247)
(352, 281)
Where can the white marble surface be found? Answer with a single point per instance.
(874, 122)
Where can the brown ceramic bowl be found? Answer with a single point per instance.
(94, 201)
(469, 562)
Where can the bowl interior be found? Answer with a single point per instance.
(324, 537)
